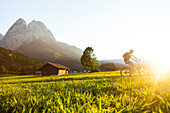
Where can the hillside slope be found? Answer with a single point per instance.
(15, 62)
(56, 52)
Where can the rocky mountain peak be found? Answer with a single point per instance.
(20, 20)
(20, 33)
(19, 26)
(40, 30)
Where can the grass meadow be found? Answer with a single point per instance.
(101, 92)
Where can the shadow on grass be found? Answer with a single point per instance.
(19, 77)
(65, 79)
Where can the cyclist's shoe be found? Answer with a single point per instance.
(142, 69)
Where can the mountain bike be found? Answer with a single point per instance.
(128, 70)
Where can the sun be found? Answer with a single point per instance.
(162, 64)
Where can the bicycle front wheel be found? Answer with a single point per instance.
(143, 72)
(125, 72)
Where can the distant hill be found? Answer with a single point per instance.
(16, 62)
(118, 63)
(36, 40)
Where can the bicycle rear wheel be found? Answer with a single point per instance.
(125, 72)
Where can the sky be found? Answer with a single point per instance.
(110, 27)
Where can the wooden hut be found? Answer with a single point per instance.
(53, 69)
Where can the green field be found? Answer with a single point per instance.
(86, 92)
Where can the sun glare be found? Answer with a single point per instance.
(161, 64)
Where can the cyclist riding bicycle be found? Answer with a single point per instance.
(129, 55)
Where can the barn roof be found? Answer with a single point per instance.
(58, 65)
(55, 65)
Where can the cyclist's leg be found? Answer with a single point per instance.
(131, 65)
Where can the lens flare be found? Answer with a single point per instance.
(10, 54)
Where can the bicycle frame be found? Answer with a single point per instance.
(135, 67)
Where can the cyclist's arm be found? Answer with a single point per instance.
(135, 58)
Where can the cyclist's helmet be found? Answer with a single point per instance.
(131, 51)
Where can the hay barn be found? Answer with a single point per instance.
(53, 69)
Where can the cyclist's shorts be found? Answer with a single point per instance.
(129, 62)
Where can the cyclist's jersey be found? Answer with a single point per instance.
(127, 56)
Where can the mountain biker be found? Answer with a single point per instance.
(129, 55)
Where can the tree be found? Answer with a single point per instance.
(89, 60)
(3, 70)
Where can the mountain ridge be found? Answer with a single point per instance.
(20, 33)
(1, 36)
